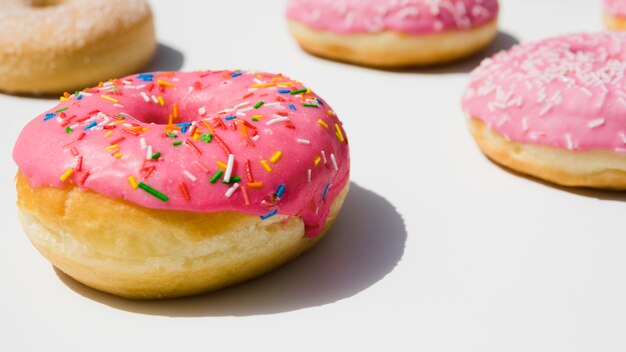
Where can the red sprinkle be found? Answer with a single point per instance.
(115, 141)
(249, 171)
(183, 189)
(192, 146)
(222, 144)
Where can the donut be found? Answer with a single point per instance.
(52, 46)
(555, 109)
(615, 14)
(171, 184)
(392, 33)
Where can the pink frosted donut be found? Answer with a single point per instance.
(555, 109)
(169, 184)
(393, 32)
(615, 14)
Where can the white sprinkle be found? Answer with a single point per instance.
(524, 124)
(324, 156)
(232, 190)
(595, 123)
(309, 175)
(241, 105)
(145, 97)
(229, 167)
(190, 176)
(303, 141)
(256, 138)
(622, 135)
(277, 119)
(119, 106)
(586, 91)
(155, 100)
(569, 141)
(142, 142)
(149, 153)
(545, 109)
(620, 150)
(332, 158)
(202, 111)
(276, 104)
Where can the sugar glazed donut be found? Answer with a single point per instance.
(392, 33)
(171, 184)
(555, 109)
(615, 14)
(52, 46)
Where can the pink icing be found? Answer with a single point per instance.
(405, 16)
(615, 7)
(566, 92)
(105, 135)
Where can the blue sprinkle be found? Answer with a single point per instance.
(49, 116)
(91, 125)
(325, 191)
(280, 191)
(80, 97)
(228, 118)
(292, 107)
(146, 77)
(319, 101)
(269, 215)
(184, 126)
(283, 91)
(236, 74)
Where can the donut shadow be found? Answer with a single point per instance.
(599, 194)
(166, 58)
(502, 41)
(364, 245)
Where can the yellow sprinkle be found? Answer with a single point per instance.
(164, 83)
(339, 134)
(64, 99)
(103, 96)
(161, 101)
(119, 122)
(257, 184)
(222, 165)
(196, 136)
(258, 116)
(276, 157)
(108, 134)
(317, 160)
(112, 147)
(118, 155)
(322, 123)
(132, 181)
(266, 166)
(175, 110)
(263, 85)
(66, 174)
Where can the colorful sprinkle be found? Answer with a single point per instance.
(66, 174)
(153, 192)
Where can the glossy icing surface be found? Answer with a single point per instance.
(404, 16)
(615, 7)
(566, 92)
(205, 141)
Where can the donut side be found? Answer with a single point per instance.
(593, 169)
(140, 253)
(392, 49)
(107, 54)
(614, 22)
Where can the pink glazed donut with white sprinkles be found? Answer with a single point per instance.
(615, 14)
(175, 183)
(393, 33)
(555, 109)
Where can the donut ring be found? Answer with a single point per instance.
(555, 109)
(615, 14)
(52, 46)
(389, 33)
(172, 184)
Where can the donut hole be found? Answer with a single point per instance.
(46, 3)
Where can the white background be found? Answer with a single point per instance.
(437, 249)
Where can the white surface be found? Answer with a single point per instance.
(437, 249)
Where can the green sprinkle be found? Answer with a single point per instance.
(299, 91)
(153, 192)
(217, 175)
(119, 116)
(233, 179)
(60, 110)
(259, 104)
(76, 92)
(177, 143)
(156, 155)
(207, 137)
(171, 135)
(255, 119)
(311, 106)
(68, 129)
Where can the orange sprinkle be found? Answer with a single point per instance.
(108, 134)
(175, 110)
(222, 165)
(257, 184)
(317, 160)
(164, 83)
